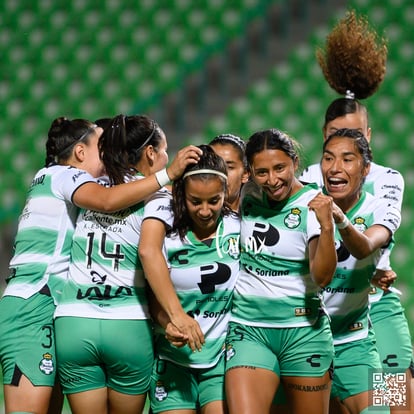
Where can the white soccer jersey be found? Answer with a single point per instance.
(275, 287)
(203, 275)
(346, 297)
(383, 183)
(105, 278)
(45, 229)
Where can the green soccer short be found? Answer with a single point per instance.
(27, 339)
(299, 351)
(355, 362)
(174, 387)
(389, 321)
(98, 353)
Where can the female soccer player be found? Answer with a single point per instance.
(278, 332)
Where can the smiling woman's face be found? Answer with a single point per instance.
(343, 171)
(204, 200)
(274, 171)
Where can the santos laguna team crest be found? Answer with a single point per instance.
(46, 364)
(360, 224)
(293, 219)
(227, 244)
(160, 392)
(230, 246)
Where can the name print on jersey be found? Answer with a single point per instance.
(112, 222)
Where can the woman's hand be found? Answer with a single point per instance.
(190, 329)
(383, 279)
(186, 156)
(322, 205)
(174, 336)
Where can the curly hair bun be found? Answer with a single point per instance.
(354, 57)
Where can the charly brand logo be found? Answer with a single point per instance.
(391, 360)
(313, 360)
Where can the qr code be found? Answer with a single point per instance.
(389, 389)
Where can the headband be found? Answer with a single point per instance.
(83, 136)
(154, 128)
(230, 138)
(205, 171)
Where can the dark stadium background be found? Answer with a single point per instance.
(199, 68)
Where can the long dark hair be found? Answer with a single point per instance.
(62, 136)
(209, 160)
(123, 141)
